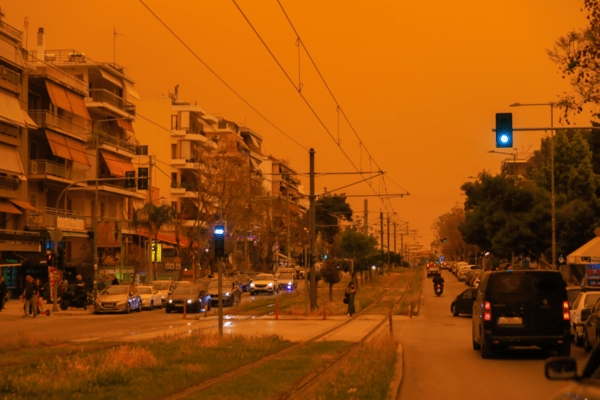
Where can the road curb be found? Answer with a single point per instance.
(394, 391)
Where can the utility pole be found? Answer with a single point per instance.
(366, 217)
(288, 244)
(313, 283)
(149, 190)
(395, 237)
(220, 291)
(95, 222)
(389, 247)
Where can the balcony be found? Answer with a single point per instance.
(74, 125)
(104, 138)
(11, 240)
(105, 99)
(13, 32)
(61, 77)
(44, 169)
(66, 220)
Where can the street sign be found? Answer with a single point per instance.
(561, 259)
(56, 235)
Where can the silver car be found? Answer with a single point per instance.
(118, 298)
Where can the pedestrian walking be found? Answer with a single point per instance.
(350, 292)
(30, 297)
(3, 292)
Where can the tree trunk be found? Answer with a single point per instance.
(361, 278)
(331, 292)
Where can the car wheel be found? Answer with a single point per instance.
(139, 309)
(168, 310)
(578, 339)
(586, 344)
(127, 308)
(476, 346)
(564, 349)
(486, 349)
(454, 310)
(152, 305)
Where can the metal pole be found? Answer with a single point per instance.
(552, 179)
(366, 217)
(220, 297)
(288, 244)
(394, 237)
(153, 247)
(305, 251)
(389, 247)
(121, 244)
(313, 282)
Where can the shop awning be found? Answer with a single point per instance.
(59, 97)
(28, 121)
(24, 205)
(125, 124)
(11, 111)
(117, 164)
(78, 105)
(7, 207)
(75, 234)
(131, 90)
(589, 253)
(111, 78)
(67, 148)
(10, 161)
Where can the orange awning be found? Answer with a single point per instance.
(78, 105)
(59, 97)
(77, 150)
(125, 124)
(25, 205)
(167, 237)
(58, 145)
(7, 207)
(117, 164)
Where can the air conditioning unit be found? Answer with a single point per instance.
(33, 168)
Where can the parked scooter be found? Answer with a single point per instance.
(70, 299)
(439, 288)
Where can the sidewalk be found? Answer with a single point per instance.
(15, 307)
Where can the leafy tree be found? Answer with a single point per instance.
(446, 226)
(328, 211)
(152, 218)
(358, 246)
(331, 275)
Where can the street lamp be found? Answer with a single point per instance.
(514, 164)
(551, 173)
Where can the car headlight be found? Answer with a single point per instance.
(252, 284)
(270, 284)
(170, 301)
(289, 283)
(189, 301)
(227, 294)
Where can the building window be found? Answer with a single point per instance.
(174, 151)
(33, 199)
(173, 122)
(142, 150)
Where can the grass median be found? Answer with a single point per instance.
(143, 370)
(412, 296)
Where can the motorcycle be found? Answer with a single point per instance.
(439, 288)
(70, 299)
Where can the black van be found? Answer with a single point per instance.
(521, 308)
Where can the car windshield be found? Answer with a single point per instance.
(115, 290)
(186, 290)
(591, 299)
(242, 277)
(286, 276)
(145, 290)
(161, 285)
(215, 284)
(264, 277)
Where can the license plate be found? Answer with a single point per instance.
(510, 320)
(109, 305)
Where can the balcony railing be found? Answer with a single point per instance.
(45, 167)
(10, 183)
(63, 77)
(67, 220)
(72, 124)
(123, 144)
(10, 76)
(104, 96)
(10, 30)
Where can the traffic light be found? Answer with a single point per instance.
(50, 259)
(445, 240)
(130, 179)
(142, 178)
(504, 130)
(60, 257)
(219, 238)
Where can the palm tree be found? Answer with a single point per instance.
(152, 218)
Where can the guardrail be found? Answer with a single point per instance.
(123, 144)
(55, 169)
(11, 30)
(104, 96)
(10, 76)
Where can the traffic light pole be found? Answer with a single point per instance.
(312, 219)
(220, 296)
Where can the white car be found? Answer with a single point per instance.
(150, 297)
(165, 288)
(264, 283)
(462, 272)
(584, 300)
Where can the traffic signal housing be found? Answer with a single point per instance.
(60, 257)
(219, 239)
(50, 259)
(504, 130)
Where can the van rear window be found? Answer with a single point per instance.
(520, 285)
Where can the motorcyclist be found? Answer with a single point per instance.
(79, 291)
(438, 280)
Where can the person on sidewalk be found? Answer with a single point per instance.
(40, 295)
(113, 278)
(350, 292)
(30, 297)
(3, 292)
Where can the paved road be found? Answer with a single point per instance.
(440, 363)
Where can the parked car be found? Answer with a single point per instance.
(432, 271)
(263, 283)
(471, 275)
(243, 281)
(458, 266)
(591, 330)
(287, 282)
(521, 308)
(572, 293)
(584, 386)
(191, 296)
(150, 297)
(463, 303)
(165, 288)
(583, 301)
(118, 298)
(232, 294)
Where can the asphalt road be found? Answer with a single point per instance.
(440, 363)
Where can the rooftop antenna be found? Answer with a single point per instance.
(115, 34)
(26, 26)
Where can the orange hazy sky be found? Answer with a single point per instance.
(420, 81)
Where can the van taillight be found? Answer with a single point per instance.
(566, 313)
(487, 315)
